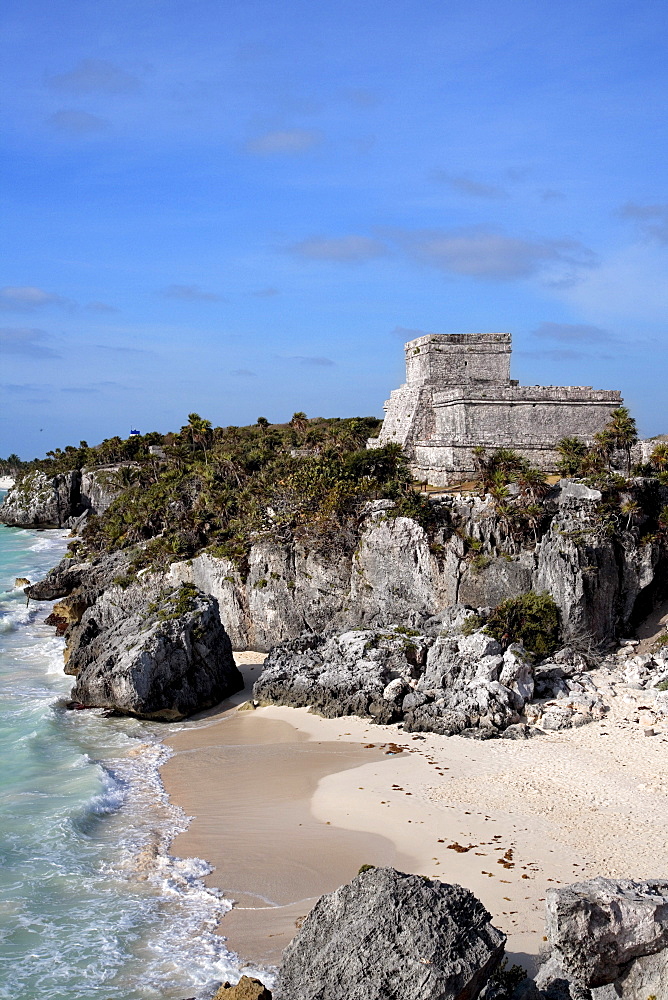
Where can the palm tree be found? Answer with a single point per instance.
(630, 509)
(604, 443)
(623, 432)
(534, 514)
(531, 482)
(571, 450)
(507, 460)
(299, 422)
(658, 458)
(200, 430)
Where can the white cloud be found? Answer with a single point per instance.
(26, 298)
(27, 342)
(73, 122)
(467, 186)
(580, 333)
(629, 289)
(287, 141)
(340, 248)
(101, 307)
(651, 219)
(315, 362)
(95, 76)
(190, 293)
(486, 253)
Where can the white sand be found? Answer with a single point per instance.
(525, 815)
(6, 482)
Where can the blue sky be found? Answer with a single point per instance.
(244, 208)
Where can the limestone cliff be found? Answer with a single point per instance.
(41, 501)
(602, 577)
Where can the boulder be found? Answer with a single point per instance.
(644, 978)
(570, 490)
(247, 988)
(390, 935)
(352, 674)
(596, 928)
(164, 658)
(517, 674)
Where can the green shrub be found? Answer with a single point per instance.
(479, 563)
(471, 624)
(509, 978)
(532, 619)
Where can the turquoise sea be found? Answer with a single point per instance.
(91, 903)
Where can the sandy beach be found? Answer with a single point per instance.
(287, 805)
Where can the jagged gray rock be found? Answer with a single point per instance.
(397, 573)
(86, 579)
(388, 936)
(62, 501)
(392, 570)
(101, 484)
(164, 658)
(445, 685)
(645, 977)
(596, 928)
(40, 501)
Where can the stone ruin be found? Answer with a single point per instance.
(459, 395)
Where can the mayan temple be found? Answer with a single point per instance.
(459, 395)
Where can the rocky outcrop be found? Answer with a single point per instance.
(160, 658)
(248, 988)
(40, 501)
(100, 485)
(610, 936)
(602, 579)
(445, 682)
(84, 579)
(603, 575)
(387, 934)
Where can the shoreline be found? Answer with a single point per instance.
(505, 819)
(253, 823)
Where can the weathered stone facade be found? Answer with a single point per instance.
(459, 394)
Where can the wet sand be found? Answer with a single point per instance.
(288, 805)
(249, 782)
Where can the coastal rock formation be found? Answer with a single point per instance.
(603, 580)
(42, 501)
(609, 933)
(387, 934)
(248, 988)
(163, 659)
(445, 683)
(83, 579)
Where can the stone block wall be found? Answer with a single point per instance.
(459, 395)
(453, 359)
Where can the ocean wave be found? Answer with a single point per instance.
(101, 907)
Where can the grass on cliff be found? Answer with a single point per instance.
(222, 489)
